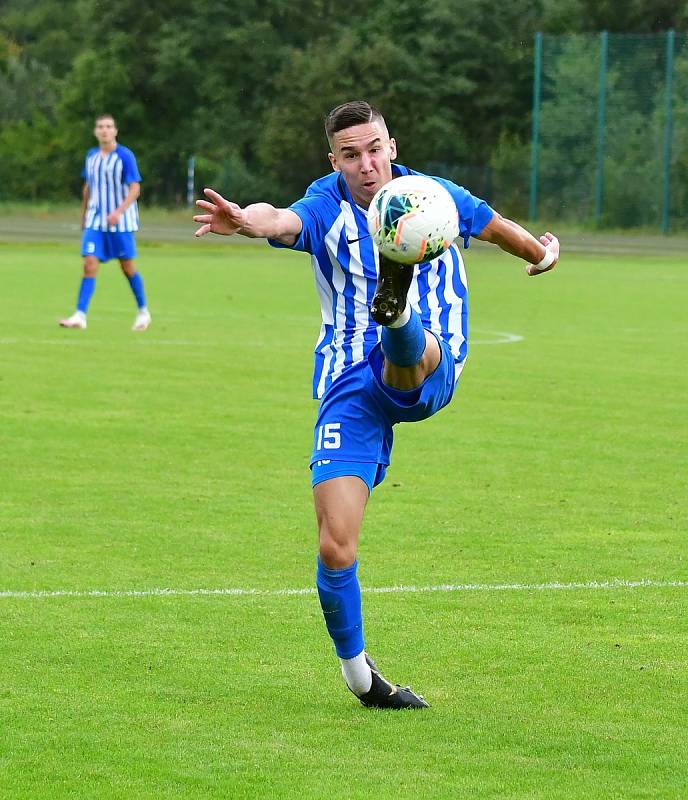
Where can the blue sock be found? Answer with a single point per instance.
(405, 346)
(88, 286)
(340, 600)
(136, 283)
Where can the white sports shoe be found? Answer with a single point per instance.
(142, 321)
(77, 320)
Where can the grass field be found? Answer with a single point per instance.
(546, 507)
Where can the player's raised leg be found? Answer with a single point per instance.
(411, 352)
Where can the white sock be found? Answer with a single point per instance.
(404, 317)
(357, 674)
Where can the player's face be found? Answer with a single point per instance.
(105, 131)
(363, 154)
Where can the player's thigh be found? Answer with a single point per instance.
(340, 503)
(435, 392)
(122, 245)
(339, 507)
(92, 250)
(351, 426)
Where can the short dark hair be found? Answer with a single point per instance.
(106, 116)
(355, 112)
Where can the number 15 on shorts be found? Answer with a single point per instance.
(329, 437)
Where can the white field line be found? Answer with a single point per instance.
(495, 337)
(70, 340)
(615, 583)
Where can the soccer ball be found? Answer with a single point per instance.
(413, 219)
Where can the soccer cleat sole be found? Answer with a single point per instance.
(393, 283)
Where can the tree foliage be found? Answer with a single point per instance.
(245, 87)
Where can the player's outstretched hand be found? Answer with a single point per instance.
(223, 216)
(552, 246)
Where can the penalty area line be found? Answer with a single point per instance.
(615, 583)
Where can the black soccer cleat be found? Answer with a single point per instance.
(383, 694)
(393, 282)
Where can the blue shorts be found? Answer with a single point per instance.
(353, 432)
(105, 245)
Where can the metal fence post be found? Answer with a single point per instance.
(601, 111)
(668, 83)
(190, 175)
(537, 82)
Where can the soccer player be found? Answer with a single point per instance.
(109, 218)
(372, 369)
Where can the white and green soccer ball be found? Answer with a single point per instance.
(413, 219)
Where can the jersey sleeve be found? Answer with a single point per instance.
(308, 210)
(130, 169)
(474, 213)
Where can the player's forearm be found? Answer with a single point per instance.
(84, 203)
(514, 239)
(132, 195)
(263, 221)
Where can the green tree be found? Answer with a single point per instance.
(620, 16)
(46, 31)
(425, 67)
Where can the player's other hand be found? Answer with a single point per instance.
(223, 216)
(552, 245)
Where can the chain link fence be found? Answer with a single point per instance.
(610, 130)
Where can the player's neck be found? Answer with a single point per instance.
(108, 148)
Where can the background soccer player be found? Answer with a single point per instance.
(109, 218)
(369, 377)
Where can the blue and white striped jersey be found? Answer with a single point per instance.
(108, 178)
(345, 265)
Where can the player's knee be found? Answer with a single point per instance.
(90, 267)
(336, 551)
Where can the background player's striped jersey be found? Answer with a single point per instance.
(345, 265)
(109, 177)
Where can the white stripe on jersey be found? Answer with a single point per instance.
(339, 344)
(361, 313)
(433, 299)
(325, 296)
(339, 281)
(117, 191)
(454, 327)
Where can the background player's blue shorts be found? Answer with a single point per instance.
(353, 433)
(105, 245)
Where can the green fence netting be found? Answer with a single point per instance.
(610, 130)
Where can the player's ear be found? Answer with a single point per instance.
(392, 148)
(333, 162)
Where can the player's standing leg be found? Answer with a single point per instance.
(143, 317)
(339, 506)
(411, 354)
(86, 289)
